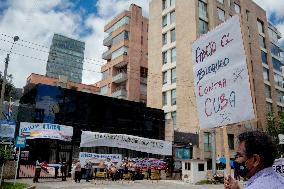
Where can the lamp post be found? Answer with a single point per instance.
(16, 38)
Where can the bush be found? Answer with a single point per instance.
(4, 155)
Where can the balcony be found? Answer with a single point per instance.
(108, 41)
(120, 77)
(120, 92)
(106, 55)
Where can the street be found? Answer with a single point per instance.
(101, 184)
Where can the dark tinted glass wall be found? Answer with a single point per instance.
(85, 111)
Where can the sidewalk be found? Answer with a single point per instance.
(102, 184)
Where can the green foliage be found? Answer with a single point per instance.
(275, 126)
(9, 87)
(4, 155)
(9, 185)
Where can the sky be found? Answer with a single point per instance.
(35, 22)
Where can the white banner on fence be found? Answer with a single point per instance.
(221, 77)
(98, 159)
(90, 139)
(46, 130)
(278, 166)
(281, 139)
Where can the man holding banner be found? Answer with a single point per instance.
(256, 154)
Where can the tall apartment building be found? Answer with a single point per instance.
(126, 70)
(65, 58)
(173, 26)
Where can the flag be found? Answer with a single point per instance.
(10, 110)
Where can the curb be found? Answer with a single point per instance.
(31, 187)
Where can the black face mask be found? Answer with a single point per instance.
(243, 170)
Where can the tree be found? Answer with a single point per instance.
(9, 88)
(275, 126)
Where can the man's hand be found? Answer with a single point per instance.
(230, 183)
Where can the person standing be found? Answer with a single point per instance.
(37, 171)
(88, 167)
(256, 154)
(78, 171)
(63, 169)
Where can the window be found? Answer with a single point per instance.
(280, 110)
(268, 107)
(264, 57)
(265, 73)
(173, 35)
(272, 35)
(237, 8)
(164, 39)
(143, 72)
(200, 166)
(103, 90)
(164, 77)
(105, 74)
(221, 1)
(275, 50)
(231, 141)
(280, 96)
(164, 4)
(221, 14)
(203, 26)
(164, 21)
(187, 166)
(172, 17)
(277, 64)
(164, 54)
(172, 2)
(164, 98)
(207, 142)
(267, 91)
(278, 80)
(260, 26)
(261, 41)
(202, 9)
(173, 96)
(120, 37)
(173, 55)
(174, 118)
(173, 75)
(121, 51)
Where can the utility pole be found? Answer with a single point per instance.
(213, 152)
(16, 38)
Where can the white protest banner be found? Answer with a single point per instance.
(281, 139)
(90, 139)
(221, 77)
(96, 159)
(278, 166)
(46, 130)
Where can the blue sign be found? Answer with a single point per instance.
(20, 142)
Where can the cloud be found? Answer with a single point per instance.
(272, 7)
(36, 21)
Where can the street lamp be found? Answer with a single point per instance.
(16, 38)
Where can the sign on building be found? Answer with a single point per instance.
(7, 130)
(221, 77)
(46, 130)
